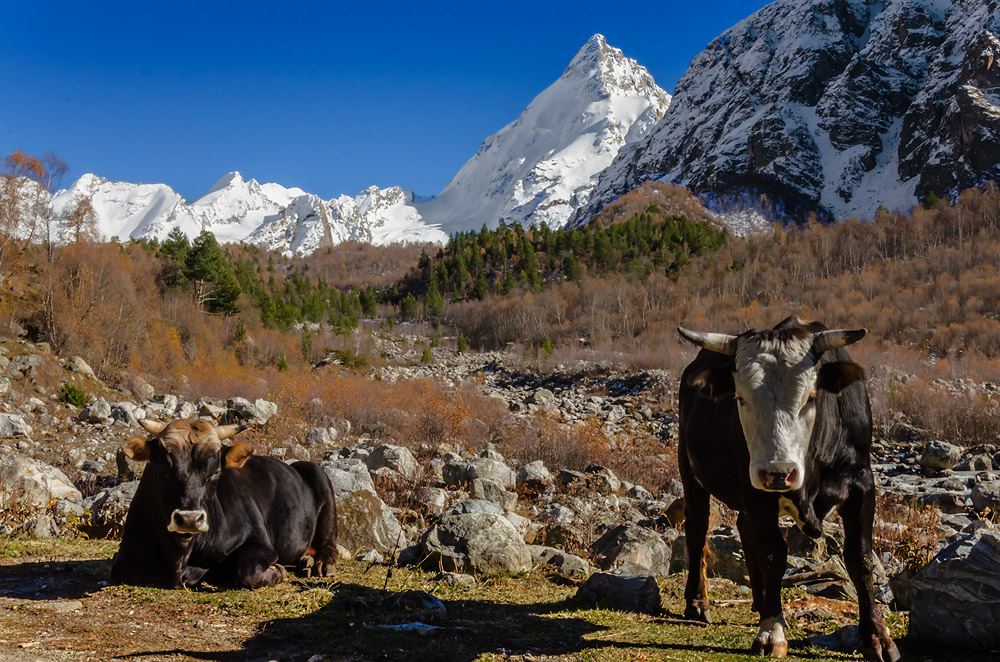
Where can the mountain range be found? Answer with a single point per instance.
(832, 106)
(539, 168)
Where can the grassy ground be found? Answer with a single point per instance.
(55, 607)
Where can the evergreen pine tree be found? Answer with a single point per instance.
(306, 344)
(433, 302)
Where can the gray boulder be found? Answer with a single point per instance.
(986, 497)
(433, 499)
(567, 564)
(33, 485)
(127, 413)
(365, 522)
(481, 543)
(185, 410)
(319, 437)
(98, 411)
(725, 555)
(535, 477)
(492, 491)
(348, 476)
(956, 597)
(108, 509)
(638, 594)
(474, 506)
(241, 409)
(949, 503)
(24, 365)
(490, 469)
(940, 455)
(977, 462)
(602, 480)
(77, 364)
(397, 458)
(540, 397)
(12, 425)
(632, 549)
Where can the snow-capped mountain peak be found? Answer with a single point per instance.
(542, 166)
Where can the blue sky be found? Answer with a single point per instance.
(325, 96)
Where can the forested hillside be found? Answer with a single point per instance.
(924, 283)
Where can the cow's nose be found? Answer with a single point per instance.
(188, 521)
(779, 476)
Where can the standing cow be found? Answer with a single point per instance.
(205, 510)
(778, 422)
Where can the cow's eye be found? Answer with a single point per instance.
(812, 398)
(739, 400)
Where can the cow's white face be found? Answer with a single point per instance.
(777, 374)
(776, 400)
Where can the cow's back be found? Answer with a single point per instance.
(271, 498)
(710, 434)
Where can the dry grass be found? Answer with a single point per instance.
(524, 618)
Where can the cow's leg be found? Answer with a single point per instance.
(772, 555)
(696, 511)
(257, 565)
(858, 514)
(320, 560)
(754, 570)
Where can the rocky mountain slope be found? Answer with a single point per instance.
(539, 168)
(841, 105)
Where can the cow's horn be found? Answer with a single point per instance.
(226, 431)
(717, 342)
(834, 338)
(152, 427)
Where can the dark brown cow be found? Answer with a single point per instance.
(204, 510)
(778, 422)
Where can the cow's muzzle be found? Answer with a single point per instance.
(778, 477)
(188, 521)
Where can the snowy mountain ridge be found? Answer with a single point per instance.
(831, 105)
(538, 169)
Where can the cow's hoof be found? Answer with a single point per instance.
(274, 574)
(305, 566)
(769, 649)
(324, 569)
(882, 650)
(770, 639)
(698, 611)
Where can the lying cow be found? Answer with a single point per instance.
(204, 510)
(778, 422)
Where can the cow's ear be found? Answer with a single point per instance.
(838, 375)
(238, 454)
(715, 383)
(138, 448)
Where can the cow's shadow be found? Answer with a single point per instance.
(54, 580)
(364, 623)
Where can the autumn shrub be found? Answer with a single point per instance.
(908, 532)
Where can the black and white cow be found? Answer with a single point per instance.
(205, 510)
(778, 422)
